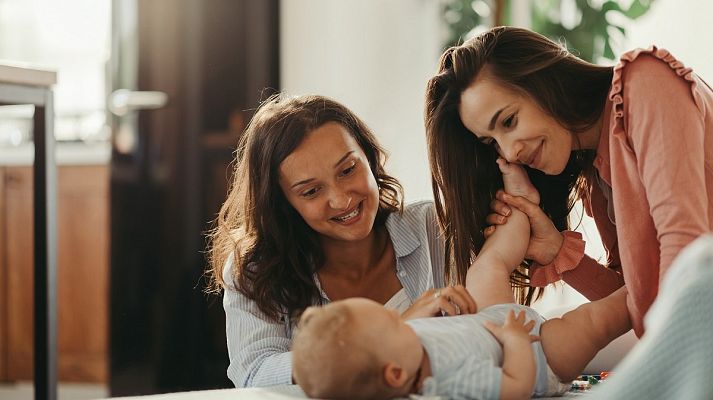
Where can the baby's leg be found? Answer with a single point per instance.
(573, 340)
(488, 278)
(488, 281)
(516, 181)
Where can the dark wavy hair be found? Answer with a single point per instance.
(275, 253)
(465, 176)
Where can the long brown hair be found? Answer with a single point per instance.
(275, 253)
(465, 176)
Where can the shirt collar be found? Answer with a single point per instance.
(402, 235)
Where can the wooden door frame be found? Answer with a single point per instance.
(3, 282)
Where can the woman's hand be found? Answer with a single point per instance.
(545, 239)
(451, 300)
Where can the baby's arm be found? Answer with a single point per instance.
(518, 368)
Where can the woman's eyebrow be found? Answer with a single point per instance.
(302, 182)
(343, 158)
(495, 118)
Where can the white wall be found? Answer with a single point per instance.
(375, 57)
(683, 28)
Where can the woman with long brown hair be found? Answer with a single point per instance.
(313, 217)
(634, 142)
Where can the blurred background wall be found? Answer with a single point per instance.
(375, 57)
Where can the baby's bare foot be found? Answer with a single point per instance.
(516, 181)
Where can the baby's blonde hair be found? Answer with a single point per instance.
(331, 359)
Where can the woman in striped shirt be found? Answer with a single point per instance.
(312, 217)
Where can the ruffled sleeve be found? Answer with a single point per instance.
(568, 258)
(583, 273)
(616, 95)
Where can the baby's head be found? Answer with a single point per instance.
(353, 349)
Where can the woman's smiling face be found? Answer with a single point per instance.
(328, 180)
(518, 128)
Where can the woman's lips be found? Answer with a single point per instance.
(350, 216)
(535, 162)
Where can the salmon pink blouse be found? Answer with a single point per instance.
(654, 189)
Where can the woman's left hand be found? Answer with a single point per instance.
(545, 239)
(451, 300)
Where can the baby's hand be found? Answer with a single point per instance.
(514, 329)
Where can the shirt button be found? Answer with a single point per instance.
(402, 274)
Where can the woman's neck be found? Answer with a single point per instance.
(355, 258)
(589, 139)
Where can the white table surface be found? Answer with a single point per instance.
(273, 393)
(17, 73)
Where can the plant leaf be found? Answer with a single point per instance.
(637, 9)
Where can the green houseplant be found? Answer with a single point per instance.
(590, 28)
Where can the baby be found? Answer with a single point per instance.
(356, 348)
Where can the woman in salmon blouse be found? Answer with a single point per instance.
(634, 142)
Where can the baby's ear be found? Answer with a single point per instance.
(394, 375)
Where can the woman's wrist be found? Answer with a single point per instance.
(556, 248)
(567, 258)
(569, 252)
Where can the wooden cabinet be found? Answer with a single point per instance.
(3, 281)
(82, 273)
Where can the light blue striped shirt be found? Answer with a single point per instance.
(259, 347)
(466, 359)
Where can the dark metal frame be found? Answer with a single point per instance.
(45, 232)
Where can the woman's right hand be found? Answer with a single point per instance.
(545, 239)
(450, 300)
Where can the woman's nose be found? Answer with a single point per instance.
(510, 151)
(339, 200)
